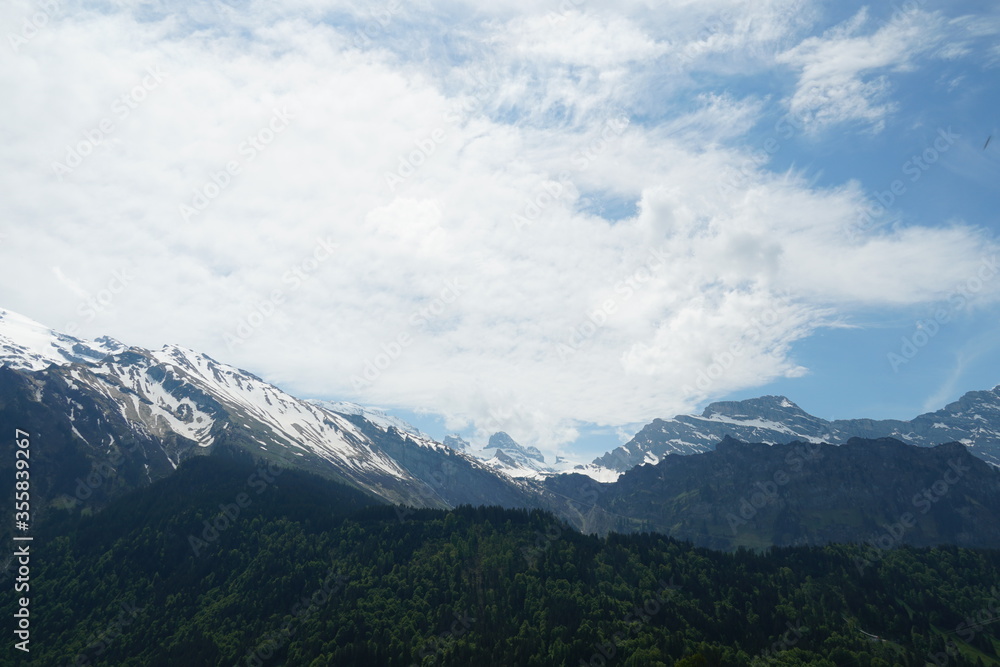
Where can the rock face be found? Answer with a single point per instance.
(502, 442)
(973, 420)
(456, 442)
(106, 419)
(455, 478)
(882, 491)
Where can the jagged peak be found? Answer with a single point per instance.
(502, 441)
(29, 345)
(456, 442)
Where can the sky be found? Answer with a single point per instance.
(558, 219)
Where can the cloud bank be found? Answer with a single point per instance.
(527, 220)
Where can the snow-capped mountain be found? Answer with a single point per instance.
(192, 395)
(28, 345)
(514, 459)
(132, 414)
(456, 442)
(973, 420)
(519, 462)
(757, 495)
(374, 415)
(113, 417)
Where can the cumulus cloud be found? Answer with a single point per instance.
(842, 72)
(397, 221)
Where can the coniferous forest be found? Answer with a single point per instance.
(225, 563)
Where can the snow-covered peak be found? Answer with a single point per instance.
(593, 471)
(27, 345)
(777, 405)
(456, 442)
(500, 441)
(515, 469)
(190, 393)
(372, 414)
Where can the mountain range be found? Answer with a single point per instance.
(109, 418)
(757, 495)
(973, 420)
(114, 417)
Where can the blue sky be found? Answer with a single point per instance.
(559, 220)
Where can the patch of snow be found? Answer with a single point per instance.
(27, 345)
(598, 473)
(516, 471)
(753, 423)
(375, 415)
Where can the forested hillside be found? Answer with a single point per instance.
(291, 569)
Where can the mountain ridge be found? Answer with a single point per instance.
(125, 417)
(132, 416)
(777, 420)
(758, 495)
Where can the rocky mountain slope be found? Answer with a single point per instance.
(881, 492)
(106, 418)
(973, 420)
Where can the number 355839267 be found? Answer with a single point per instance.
(22, 484)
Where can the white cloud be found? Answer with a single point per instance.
(578, 38)
(737, 35)
(458, 308)
(843, 72)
